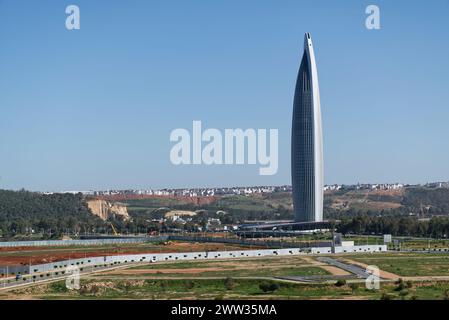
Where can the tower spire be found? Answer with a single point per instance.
(307, 141)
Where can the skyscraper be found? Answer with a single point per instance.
(307, 141)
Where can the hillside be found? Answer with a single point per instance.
(21, 212)
(418, 201)
(106, 210)
(374, 200)
(24, 213)
(337, 204)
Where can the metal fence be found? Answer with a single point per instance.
(236, 241)
(43, 243)
(241, 242)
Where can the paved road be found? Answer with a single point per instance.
(358, 271)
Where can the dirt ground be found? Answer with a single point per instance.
(332, 269)
(335, 271)
(36, 255)
(256, 263)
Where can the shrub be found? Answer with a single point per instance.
(403, 293)
(340, 282)
(264, 286)
(400, 285)
(229, 283)
(58, 287)
(354, 287)
(268, 287)
(386, 296)
(163, 285)
(274, 287)
(446, 294)
(190, 285)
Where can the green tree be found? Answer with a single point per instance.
(340, 282)
(268, 287)
(354, 287)
(230, 283)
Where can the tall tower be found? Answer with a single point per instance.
(307, 141)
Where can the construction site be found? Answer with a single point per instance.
(41, 262)
(185, 270)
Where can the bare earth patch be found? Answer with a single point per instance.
(164, 271)
(312, 261)
(335, 271)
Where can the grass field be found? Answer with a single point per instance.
(408, 264)
(244, 278)
(180, 289)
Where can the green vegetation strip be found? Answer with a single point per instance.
(231, 288)
(408, 264)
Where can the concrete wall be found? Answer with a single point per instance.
(159, 257)
(201, 255)
(351, 249)
(13, 270)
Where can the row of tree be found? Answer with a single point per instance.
(24, 212)
(436, 227)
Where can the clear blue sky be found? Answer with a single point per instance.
(93, 108)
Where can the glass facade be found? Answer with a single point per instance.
(304, 148)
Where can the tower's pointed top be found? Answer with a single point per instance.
(307, 40)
